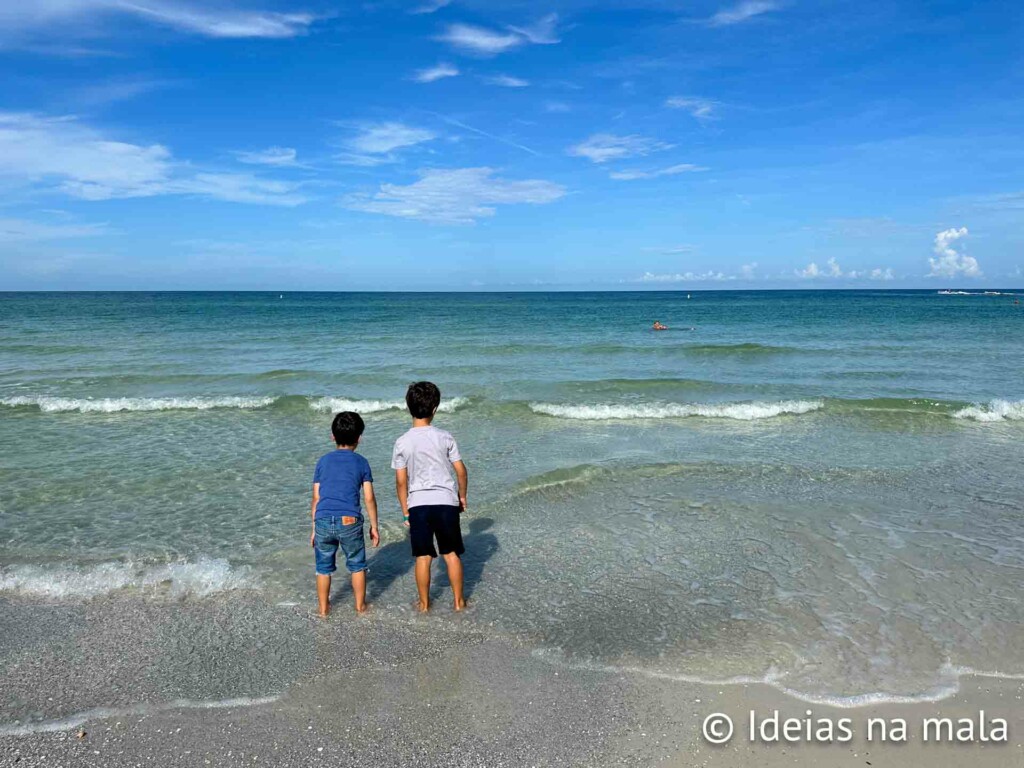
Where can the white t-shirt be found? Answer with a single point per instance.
(428, 453)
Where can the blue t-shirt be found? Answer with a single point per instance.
(341, 474)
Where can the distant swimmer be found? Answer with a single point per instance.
(658, 326)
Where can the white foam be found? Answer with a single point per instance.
(741, 411)
(995, 410)
(206, 576)
(335, 404)
(114, 404)
(102, 713)
(948, 684)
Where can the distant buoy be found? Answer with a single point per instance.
(687, 295)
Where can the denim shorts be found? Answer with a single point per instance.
(330, 533)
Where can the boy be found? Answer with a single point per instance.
(339, 477)
(423, 459)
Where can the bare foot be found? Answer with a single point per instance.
(323, 614)
(460, 605)
(422, 607)
(361, 608)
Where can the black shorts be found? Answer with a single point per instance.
(435, 520)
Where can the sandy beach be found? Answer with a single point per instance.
(125, 681)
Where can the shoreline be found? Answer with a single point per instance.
(239, 680)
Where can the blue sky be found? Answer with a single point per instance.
(170, 144)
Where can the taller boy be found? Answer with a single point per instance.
(423, 461)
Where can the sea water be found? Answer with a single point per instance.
(819, 489)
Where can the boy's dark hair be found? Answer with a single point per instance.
(347, 428)
(423, 397)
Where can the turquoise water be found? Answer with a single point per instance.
(821, 489)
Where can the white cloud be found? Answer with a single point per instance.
(22, 230)
(686, 277)
(747, 270)
(66, 155)
(557, 107)
(431, 7)
(276, 156)
(834, 271)
(489, 42)
(950, 262)
(507, 81)
(375, 142)
(602, 147)
(702, 109)
(541, 32)
(672, 170)
(47, 15)
(436, 72)
(742, 12)
(455, 196)
(479, 40)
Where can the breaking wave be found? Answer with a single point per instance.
(206, 576)
(741, 411)
(378, 406)
(116, 404)
(995, 410)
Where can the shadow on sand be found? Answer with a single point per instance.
(394, 560)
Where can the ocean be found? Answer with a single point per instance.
(822, 490)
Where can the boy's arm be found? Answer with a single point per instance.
(371, 511)
(316, 500)
(402, 490)
(463, 478)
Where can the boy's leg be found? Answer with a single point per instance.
(449, 544)
(325, 547)
(353, 544)
(421, 536)
(454, 563)
(423, 581)
(359, 590)
(323, 592)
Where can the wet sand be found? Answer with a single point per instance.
(243, 682)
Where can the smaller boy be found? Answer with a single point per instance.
(337, 520)
(423, 461)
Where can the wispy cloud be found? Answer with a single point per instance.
(557, 107)
(702, 109)
(117, 90)
(65, 155)
(486, 134)
(431, 7)
(748, 271)
(745, 11)
(480, 40)
(949, 262)
(455, 196)
(375, 142)
(602, 147)
(686, 277)
(506, 81)
(50, 16)
(22, 230)
(437, 72)
(672, 170)
(275, 156)
(542, 32)
(671, 250)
